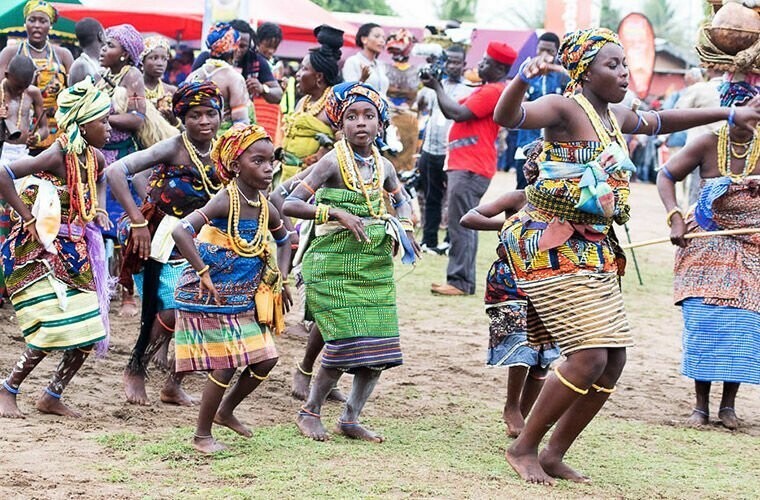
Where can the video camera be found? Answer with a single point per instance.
(435, 57)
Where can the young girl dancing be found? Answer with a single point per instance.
(219, 325)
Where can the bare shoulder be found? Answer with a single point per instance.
(34, 92)
(64, 55)
(169, 88)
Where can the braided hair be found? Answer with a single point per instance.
(324, 59)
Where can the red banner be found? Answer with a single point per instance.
(637, 36)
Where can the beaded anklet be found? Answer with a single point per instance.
(163, 325)
(306, 413)
(10, 389)
(223, 386)
(599, 388)
(257, 377)
(701, 412)
(308, 374)
(52, 394)
(348, 423)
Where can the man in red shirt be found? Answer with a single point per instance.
(471, 160)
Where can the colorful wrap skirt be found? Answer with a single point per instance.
(210, 341)
(349, 355)
(50, 324)
(508, 338)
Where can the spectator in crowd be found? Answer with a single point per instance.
(370, 38)
(471, 160)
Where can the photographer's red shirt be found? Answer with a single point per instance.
(472, 143)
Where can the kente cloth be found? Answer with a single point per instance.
(508, 338)
(168, 280)
(350, 291)
(47, 326)
(375, 353)
(78, 105)
(217, 341)
(579, 49)
(50, 78)
(235, 277)
(26, 261)
(578, 241)
(577, 311)
(722, 270)
(301, 129)
(720, 343)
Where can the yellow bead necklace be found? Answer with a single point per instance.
(259, 245)
(194, 154)
(725, 152)
(352, 177)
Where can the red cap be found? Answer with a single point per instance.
(501, 52)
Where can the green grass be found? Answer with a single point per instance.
(455, 455)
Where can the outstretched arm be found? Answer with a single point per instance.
(450, 108)
(492, 215)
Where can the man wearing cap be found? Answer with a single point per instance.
(471, 160)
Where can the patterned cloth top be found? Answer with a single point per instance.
(26, 261)
(724, 270)
(236, 278)
(178, 189)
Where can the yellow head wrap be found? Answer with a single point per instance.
(578, 50)
(153, 42)
(77, 105)
(232, 144)
(41, 6)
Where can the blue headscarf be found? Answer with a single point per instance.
(345, 94)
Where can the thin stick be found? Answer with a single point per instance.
(633, 254)
(706, 234)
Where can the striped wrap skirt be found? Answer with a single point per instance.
(577, 311)
(376, 353)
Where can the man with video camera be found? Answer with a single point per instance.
(470, 161)
(436, 140)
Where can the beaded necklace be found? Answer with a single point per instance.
(599, 127)
(352, 177)
(725, 153)
(110, 81)
(316, 107)
(259, 244)
(194, 154)
(47, 49)
(5, 104)
(154, 94)
(78, 203)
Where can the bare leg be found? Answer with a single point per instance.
(581, 369)
(364, 383)
(249, 380)
(302, 375)
(577, 417)
(701, 414)
(128, 308)
(309, 418)
(134, 380)
(511, 414)
(30, 358)
(50, 401)
(218, 381)
(161, 358)
(727, 412)
(533, 384)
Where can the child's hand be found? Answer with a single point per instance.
(207, 288)
(141, 238)
(677, 231)
(352, 223)
(287, 298)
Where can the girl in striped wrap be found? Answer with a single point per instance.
(219, 325)
(348, 266)
(54, 258)
(561, 247)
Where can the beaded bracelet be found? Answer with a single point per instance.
(659, 124)
(322, 215)
(138, 225)
(676, 210)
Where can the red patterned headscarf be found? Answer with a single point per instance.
(190, 94)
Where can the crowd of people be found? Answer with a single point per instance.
(204, 183)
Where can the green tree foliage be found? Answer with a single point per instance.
(663, 15)
(609, 17)
(379, 7)
(458, 10)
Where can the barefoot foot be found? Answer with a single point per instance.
(175, 395)
(231, 422)
(54, 406)
(311, 427)
(128, 308)
(514, 420)
(728, 418)
(301, 383)
(527, 467)
(207, 444)
(354, 430)
(8, 407)
(336, 395)
(134, 388)
(555, 467)
(698, 418)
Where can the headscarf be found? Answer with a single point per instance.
(77, 105)
(222, 40)
(345, 94)
(129, 39)
(578, 50)
(41, 6)
(190, 94)
(153, 42)
(230, 145)
(736, 93)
